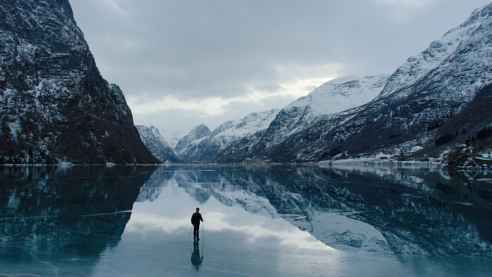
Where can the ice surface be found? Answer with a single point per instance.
(280, 221)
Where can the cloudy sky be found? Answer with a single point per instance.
(185, 62)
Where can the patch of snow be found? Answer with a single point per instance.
(13, 202)
(65, 164)
(415, 68)
(156, 144)
(246, 126)
(342, 94)
(341, 232)
(110, 164)
(15, 129)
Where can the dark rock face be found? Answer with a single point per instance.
(55, 106)
(156, 144)
(471, 130)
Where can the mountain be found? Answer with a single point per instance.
(341, 94)
(171, 139)
(54, 104)
(330, 98)
(186, 144)
(157, 145)
(407, 118)
(471, 130)
(421, 96)
(208, 148)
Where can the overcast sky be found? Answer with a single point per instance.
(185, 62)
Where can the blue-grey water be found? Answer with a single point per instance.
(259, 221)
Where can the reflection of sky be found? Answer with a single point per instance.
(234, 242)
(172, 211)
(243, 235)
(237, 242)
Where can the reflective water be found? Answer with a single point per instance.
(259, 221)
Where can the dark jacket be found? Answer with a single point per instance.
(196, 218)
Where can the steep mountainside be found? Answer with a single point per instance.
(421, 96)
(330, 98)
(471, 130)
(208, 148)
(341, 94)
(187, 143)
(157, 145)
(54, 104)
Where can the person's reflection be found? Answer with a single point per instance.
(196, 258)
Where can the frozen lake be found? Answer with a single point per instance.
(259, 221)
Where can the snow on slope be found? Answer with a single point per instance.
(246, 126)
(158, 146)
(334, 96)
(342, 94)
(151, 132)
(438, 54)
(171, 139)
(194, 137)
(207, 146)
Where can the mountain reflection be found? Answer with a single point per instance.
(47, 214)
(402, 212)
(79, 222)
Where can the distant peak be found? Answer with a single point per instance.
(201, 127)
(342, 94)
(485, 11)
(346, 84)
(199, 131)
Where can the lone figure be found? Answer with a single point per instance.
(196, 218)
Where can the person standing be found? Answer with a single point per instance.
(196, 219)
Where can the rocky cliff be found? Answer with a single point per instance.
(54, 104)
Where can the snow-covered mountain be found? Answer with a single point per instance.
(330, 98)
(246, 126)
(464, 46)
(186, 144)
(411, 109)
(171, 139)
(157, 145)
(54, 104)
(207, 148)
(407, 118)
(341, 94)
